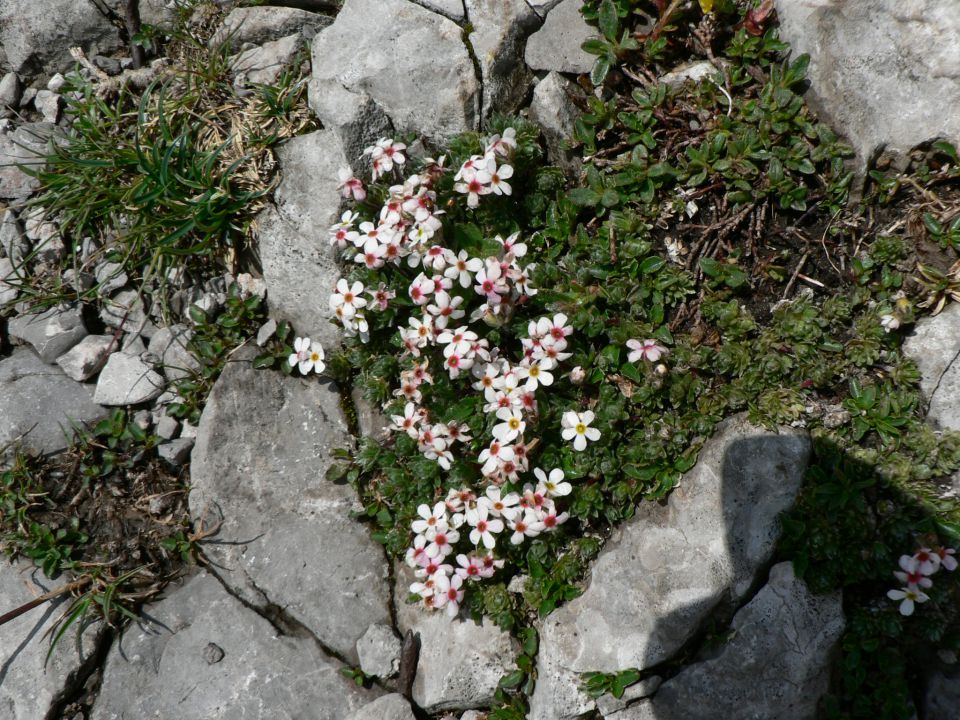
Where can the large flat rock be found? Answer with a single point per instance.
(881, 71)
(412, 62)
(40, 403)
(934, 345)
(199, 654)
(28, 690)
(461, 661)
(556, 46)
(301, 273)
(36, 37)
(23, 147)
(287, 539)
(778, 659)
(668, 567)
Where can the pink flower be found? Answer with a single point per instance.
(928, 562)
(349, 185)
(382, 296)
(648, 349)
(525, 526)
(947, 559)
(454, 594)
(911, 575)
(471, 567)
(421, 289)
(484, 528)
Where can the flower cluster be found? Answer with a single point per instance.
(914, 574)
(307, 356)
(480, 519)
(486, 174)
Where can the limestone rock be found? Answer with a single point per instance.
(356, 119)
(778, 658)
(379, 651)
(10, 93)
(499, 33)
(48, 104)
(300, 272)
(265, 23)
(13, 242)
(202, 655)
(127, 380)
(175, 453)
(9, 282)
(694, 73)
(460, 662)
(41, 403)
(110, 276)
(452, 9)
(934, 345)
(126, 311)
(36, 36)
(28, 689)
(555, 109)
(388, 707)
(26, 145)
(668, 567)
(87, 357)
(556, 46)
(423, 77)
(263, 448)
(307, 194)
(51, 332)
(262, 64)
(881, 71)
(942, 695)
(170, 347)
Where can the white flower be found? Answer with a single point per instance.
(499, 177)
(578, 375)
(407, 422)
(908, 597)
(307, 356)
(552, 485)
(463, 268)
(500, 506)
(349, 185)
(348, 298)
(421, 288)
(889, 322)
(536, 373)
(648, 349)
(484, 528)
(301, 354)
(492, 456)
(512, 426)
(576, 427)
(527, 525)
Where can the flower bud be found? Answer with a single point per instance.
(661, 369)
(578, 375)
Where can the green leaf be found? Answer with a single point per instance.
(652, 265)
(595, 46)
(585, 197)
(608, 21)
(263, 361)
(601, 67)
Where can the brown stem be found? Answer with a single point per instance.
(69, 587)
(131, 18)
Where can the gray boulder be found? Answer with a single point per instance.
(665, 570)
(300, 273)
(37, 36)
(263, 447)
(265, 23)
(87, 357)
(10, 92)
(941, 697)
(13, 242)
(555, 108)
(379, 651)
(9, 282)
(201, 655)
(556, 46)
(499, 31)
(127, 380)
(262, 64)
(26, 146)
(30, 685)
(422, 77)
(175, 453)
(41, 404)
(51, 332)
(451, 9)
(388, 707)
(778, 659)
(935, 346)
(354, 116)
(881, 71)
(170, 347)
(307, 193)
(461, 662)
